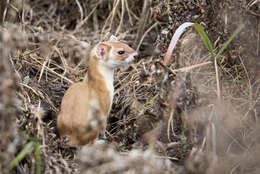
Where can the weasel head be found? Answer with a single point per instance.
(114, 53)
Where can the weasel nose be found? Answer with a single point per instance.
(136, 55)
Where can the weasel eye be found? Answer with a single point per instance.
(121, 52)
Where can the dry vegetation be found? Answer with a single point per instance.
(160, 122)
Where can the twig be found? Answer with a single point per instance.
(86, 18)
(63, 60)
(40, 131)
(250, 4)
(217, 78)
(42, 70)
(23, 11)
(203, 143)
(234, 168)
(5, 11)
(110, 18)
(114, 13)
(184, 68)
(14, 8)
(53, 72)
(95, 21)
(143, 21)
(128, 12)
(214, 138)
(144, 35)
(170, 125)
(122, 17)
(156, 156)
(33, 90)
(80, 9)
(258, 39)
(249, 82)
(190, 67)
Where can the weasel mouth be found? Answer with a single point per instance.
(135, 55)
(129, 59)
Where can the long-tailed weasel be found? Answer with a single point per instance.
(86, 105)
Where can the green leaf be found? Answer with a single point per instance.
(151, 100)
(183, 139)
(81, 79)
(229, 40)
(28, 147)
(37, 157)
(205, 39)
(26, 80)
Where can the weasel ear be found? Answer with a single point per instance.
(113, 38)
(102, 51)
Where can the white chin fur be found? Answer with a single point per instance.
(129, 59)
(114, 64)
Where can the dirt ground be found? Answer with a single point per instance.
(160, 122)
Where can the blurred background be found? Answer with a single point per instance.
(160, 122)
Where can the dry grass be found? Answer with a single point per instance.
(47, 44)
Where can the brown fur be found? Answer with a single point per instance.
(92, 96)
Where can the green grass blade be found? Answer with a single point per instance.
(205, 38)
(28, 147)
(229, 40)
(37, 157)
(151, 100)
(26, 80)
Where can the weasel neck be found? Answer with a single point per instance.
(100, 79)
(99, 74)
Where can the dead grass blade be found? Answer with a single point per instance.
(144, 35)
(52, 71)
(121, 18)
(143, 21)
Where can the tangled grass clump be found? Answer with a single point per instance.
(191, 110)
